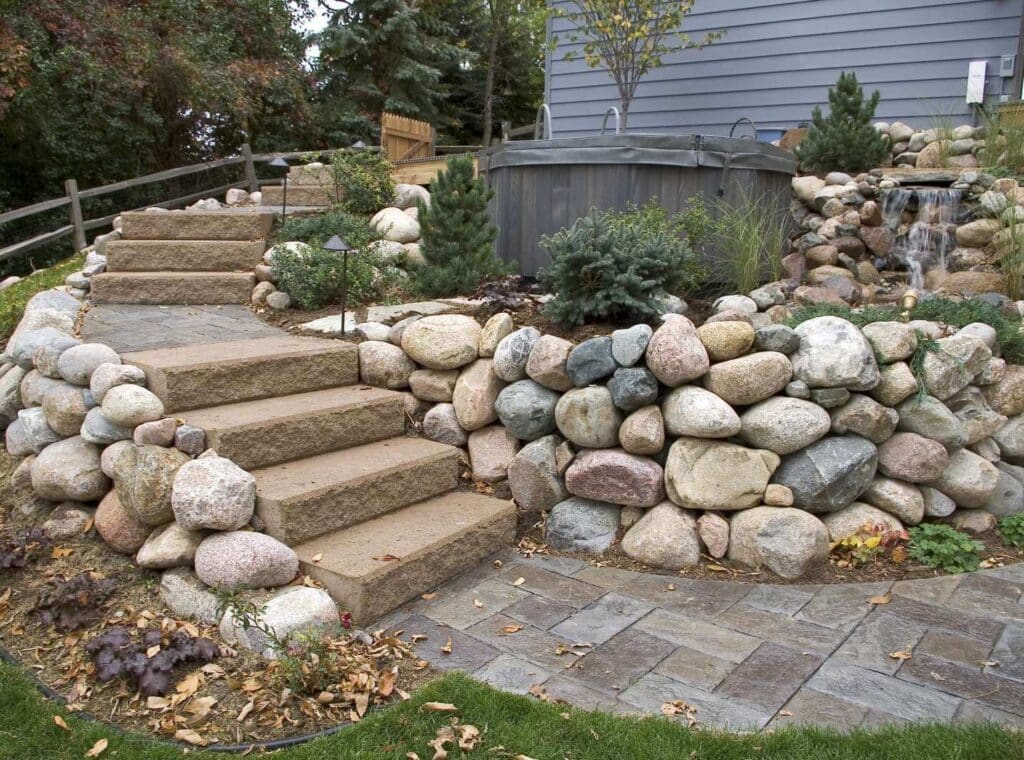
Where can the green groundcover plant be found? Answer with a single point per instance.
(944, 547)
(1011, 528)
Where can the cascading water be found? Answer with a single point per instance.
(921, 244)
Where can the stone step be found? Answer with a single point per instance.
(172, 287)
(196, 225)
(270, 431)
(212, 374)
(304, 499)
(298, 195)
(184, 255)
(372, 568)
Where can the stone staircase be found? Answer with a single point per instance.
(183, 257)
(372, 513)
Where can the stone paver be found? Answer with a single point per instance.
(746, 656)
(128, 327)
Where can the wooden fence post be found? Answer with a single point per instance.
(78, 236)
(250, 168)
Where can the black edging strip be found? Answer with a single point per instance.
(270, 745)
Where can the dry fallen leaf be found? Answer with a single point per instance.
(478, 604)
(386, 558)
(97, 748)
(61, 551)
(519, 581)
(318, 556)
(883, 599)
(447, 648)
(511, 629)
(189, 736)
(440, 707)
(900, 655)
(427, 597)
(469, 737)
(61, 723)
(785, 713)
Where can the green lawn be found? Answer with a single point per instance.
(518, 725)
(14, 298)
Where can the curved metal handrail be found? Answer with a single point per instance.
(739, 121)
(618, 120)
(537, 124)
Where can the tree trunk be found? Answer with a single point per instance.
(492, 57)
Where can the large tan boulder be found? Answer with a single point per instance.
(702, 474)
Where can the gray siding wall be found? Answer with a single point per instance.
(779, 57)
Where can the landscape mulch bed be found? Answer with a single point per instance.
(238, 698)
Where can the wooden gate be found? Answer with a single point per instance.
(402, 138)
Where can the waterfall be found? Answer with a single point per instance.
(924, 243)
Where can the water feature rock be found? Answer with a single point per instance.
(805, 188)
(904, 500)
(834, 353)
(590, 361)
(856, 518)
(866, 417)
(643, 432)
(443, 341)
(169, 546)
(617, 477)
(829, 474)
(98, 429)
(967, 479)
(582, 525)
(533, 476)
(726, 340)
(702, 474)
(749, 379)
(772, 294)
(441, 424)
(130, 405)
(213, 493)
(778, 338)
(527, 409)
(144, 477)
(742, 304)
(912, 458)
(629, 344)
(475, 393)
(588, 418)
(65, 408)
(491, 451)
(69, 470)
(434, 385)
(666, 536)
(111, 374)
(789, 542)
(77, 363)
(675, 354)
(547, 362)
(244, 559)
(633, 387)
(513, 352)
(892, 341)
(929, 417)
(496, 329)
(1007, 395)
(783, 425)
(699, 413)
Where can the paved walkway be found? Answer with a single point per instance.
(139, 328)
(746, 656)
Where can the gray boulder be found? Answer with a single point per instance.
(829, 474)
(527, 409)
(929, 417)
(111, 374)
(534, 478)
(169, 546)
(666, 536)
(789, 542)
(69, 470)
(776, 338)
(590, 361)
(588, 418)
(96, 428)
(582, 525)
(629, 344)
(295, 611)
(48, 354)
(77, 363)
(783, 425)
(213, 493)
(633, 387)
(833, 353)
(244, 559)
(512, 353)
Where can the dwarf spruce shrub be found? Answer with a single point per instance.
(617, 265)
(844, 140)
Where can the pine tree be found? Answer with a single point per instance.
(384, 55)
(845, 140)
(457, 237)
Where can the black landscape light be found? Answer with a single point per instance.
(337, 245)
(280, 163)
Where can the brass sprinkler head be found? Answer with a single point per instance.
(909, 302)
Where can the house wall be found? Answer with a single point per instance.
(779, 57)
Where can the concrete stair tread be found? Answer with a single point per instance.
(196, 225)
(184, 255)
(170, 287)
(375, 566)
(212, 374)
(325, 471)
(268, 431)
